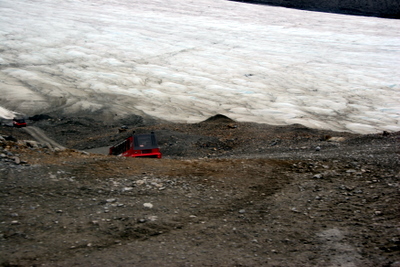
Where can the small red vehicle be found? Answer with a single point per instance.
(143, 145)
(19, 122)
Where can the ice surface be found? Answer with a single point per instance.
(187, 60)
(6, 114)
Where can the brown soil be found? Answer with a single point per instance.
(224, 194)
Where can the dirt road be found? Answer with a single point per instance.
(42, 138)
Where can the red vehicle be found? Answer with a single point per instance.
(19, 122)
(143, 145)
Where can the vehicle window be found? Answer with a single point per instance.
(143, 142)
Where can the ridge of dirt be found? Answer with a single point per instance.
(224, 194)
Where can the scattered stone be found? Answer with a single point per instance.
(139, 182)
(294, 209)
(10, 138)
(148, 205)
(127, 189)
(17, 160)
(274, 143)
(152, 218)
(318, 176)
(336, 139)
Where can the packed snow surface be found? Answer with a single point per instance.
(184, 61)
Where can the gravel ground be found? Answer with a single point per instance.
(224, 194)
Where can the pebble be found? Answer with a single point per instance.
(148, 205)
(139, 182)
(317, 176)
(125, 189)
(152, 218)
(294, 210)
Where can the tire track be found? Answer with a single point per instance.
(42, 138)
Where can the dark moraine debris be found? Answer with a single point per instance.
(375, 8)
(219, 118)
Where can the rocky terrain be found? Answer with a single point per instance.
(381, 8)
(224, 194)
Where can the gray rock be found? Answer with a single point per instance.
(318, 176)
(148, 205)
(17, 160)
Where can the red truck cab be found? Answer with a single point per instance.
(19, 122)
(142, 145)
